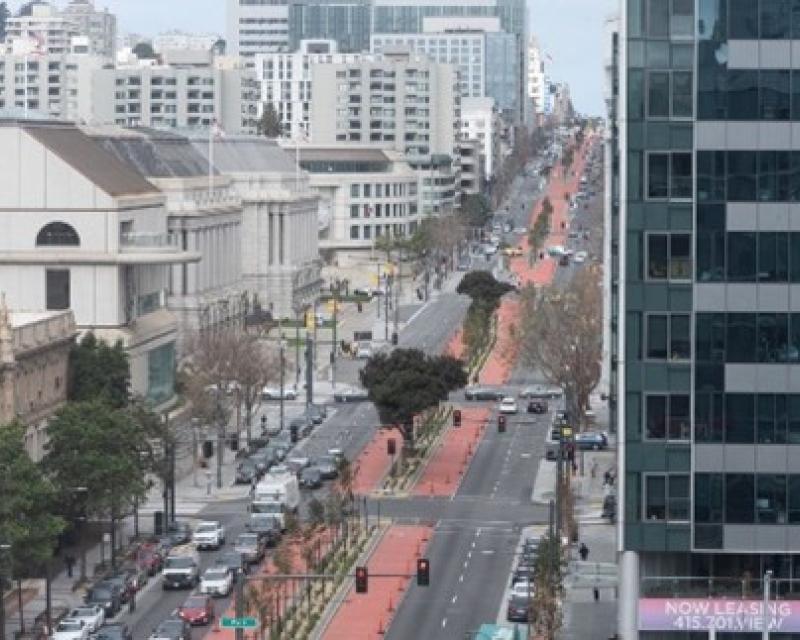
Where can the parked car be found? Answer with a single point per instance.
(172, 629)
(518, 609)
(150, 557)
(71, 629)
(350, 394)
(274, 393)
(197, 610)
(93, 616)
(117, 631)
(317, 413)
(591, 440)
(106, 595)
(508, 405)
(303, 424)
(537, 406)
(251, 546)
(482, 393)
(522, 589)
(216, 581)
(328, 467)
(310, 478)
(126, 585)
(297, 463)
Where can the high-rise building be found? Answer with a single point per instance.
(397, 101)
(537, 85)
(708, 330)
(100, 26)
(345, 21)
(45, 26)
(256, 26)
(171, 40)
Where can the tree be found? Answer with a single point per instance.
(269, 124)
(106, 450)
(29, 501)
(475, 209)
(548, 576)
(145, 51)
(98, 371)
(482, 285)
(560, 335)
(406, 382)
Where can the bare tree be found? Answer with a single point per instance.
(560, 335)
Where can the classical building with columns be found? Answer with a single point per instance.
(34, 358)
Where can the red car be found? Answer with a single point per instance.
(150, 559)
(197, 610)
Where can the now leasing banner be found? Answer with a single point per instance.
(697, 614)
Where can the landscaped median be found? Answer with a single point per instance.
(367, 616)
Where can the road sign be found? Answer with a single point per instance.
(239, 623)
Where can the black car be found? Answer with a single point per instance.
(120, 631)
(246, 471)
(303, 424)
(518, 609)
(178, 533)
(537, 406)
(328, 467)
(233, 561)
(106, 595)
(172, 629)
(317, 413)
(311, 478)
(267, 527)
(126, 584)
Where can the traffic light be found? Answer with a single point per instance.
(457, 417)
(501, 423)
(391, 446)
(395, 339)
(293, 433)
(234, 442)
(208, 449)
(423, 572)
(362, 579)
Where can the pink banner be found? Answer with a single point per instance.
(698, 614)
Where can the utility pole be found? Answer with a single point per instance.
(283, 372)
(220, 438)
(398, 288)
(335, 344)
(239, 604)
(386, 295)
(4, 550)
(310, 342)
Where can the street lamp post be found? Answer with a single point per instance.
(83, 519)
(283, 372)
(4, 550)
(765, 616)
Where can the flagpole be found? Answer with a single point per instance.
(210, 160)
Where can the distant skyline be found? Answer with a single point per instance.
(570, 31)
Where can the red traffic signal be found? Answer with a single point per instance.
(501, 423)
(362, 579)
(457, 418)
(423, 572)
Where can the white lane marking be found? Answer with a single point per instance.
(455, 597)
(461, 578)
(444, 622)
(466, 563)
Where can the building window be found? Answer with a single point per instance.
(708, 497)
(739, 498)
(355, 190)
(668, 336)
(669, 256)
(668, 417)
(161, 373)
(666, 497)
(771, 498)
(669, 94)
(669, 175)
(354, 232)
(57, 289)
(354, 211)
(57, 234)
(367, 232)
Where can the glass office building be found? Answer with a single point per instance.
(705, 289)
(345, 21)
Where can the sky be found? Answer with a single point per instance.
(571, 31)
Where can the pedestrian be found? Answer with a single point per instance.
(607, 478)
(593, 469)
(583, 551)
(132, 602)
(69, 561)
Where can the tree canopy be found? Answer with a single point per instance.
(99, 371)
(476, 209)
(482, 286)
(145, 51)
(405, 382)
(29, 500)
(269, 124)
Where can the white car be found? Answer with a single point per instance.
(580, 257)
(274, 393)
(93, 615)
(523, 589)
(364, 351)
(508, 405)
(69, 629)
(209, 535)
(216, 581)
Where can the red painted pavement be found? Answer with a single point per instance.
(497, 369)
(373, 462)
(449, 463)
(455, 347)
(364, 616)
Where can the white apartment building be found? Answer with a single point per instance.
(181, 40)
(46, 26)
(256, 26)
(285, 80)
(396, 101)
(81, 230)
(189, 89)
(537, 81)
(471, 161)
(98, 25)
(364, 194)
(480, 122)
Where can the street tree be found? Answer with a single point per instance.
(98, 370)
(406, 382)
(105, 450)
(269, 125)
(546, 600)
(475, 209)
(29, 502)
(560, 335)
(482, 286)
(145, 51)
